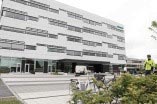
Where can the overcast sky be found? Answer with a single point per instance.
(135, 15)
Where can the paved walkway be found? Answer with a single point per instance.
(4, 91)
(41, 88)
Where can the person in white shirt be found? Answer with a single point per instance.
(125, 69)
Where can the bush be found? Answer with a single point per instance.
(126, 89)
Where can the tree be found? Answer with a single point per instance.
(154, 29)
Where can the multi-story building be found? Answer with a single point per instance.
(42, 35)
(134, 64)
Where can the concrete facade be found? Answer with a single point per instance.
(44, 35)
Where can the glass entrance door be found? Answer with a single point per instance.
(49, 68)
(18, 67)
(27, 67)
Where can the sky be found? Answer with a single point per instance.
(135, 15)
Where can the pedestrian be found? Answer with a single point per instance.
(125, 69)
(149, 65)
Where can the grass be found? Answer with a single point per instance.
(9, 101)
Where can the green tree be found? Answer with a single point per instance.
(153, 28)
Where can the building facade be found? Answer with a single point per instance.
(134, 64)
(43, 35)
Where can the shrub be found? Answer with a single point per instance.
(126, 89)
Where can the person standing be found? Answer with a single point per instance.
(125, 69)
(149, 65)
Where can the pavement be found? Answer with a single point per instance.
(40, 88)
(4, 91)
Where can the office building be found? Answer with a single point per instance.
(44, 35)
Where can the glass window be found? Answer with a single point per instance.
(53, 10)
(70, 52)
(19, 30)
(6, 28)
(85, 53)
(85, 20)
(5, 45)
(31, 32)
(39, 65)
(30, 47)
(53, 36)
(91, 44)
(17, 47)
(104, 54)
(5, 62)
(43, 7)
(77, 53)
(99, 54)
(21, 1)
(32, 18)
(19, 16)
(9, 14)
(85, 42)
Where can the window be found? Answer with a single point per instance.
(99, 54)
(37, 5)
(91, 22)
(104, 54)
(39, 44)
(57, 23)
(11, 44)
(110, 45)
(17, 46)
(109, 36)
(121, 57)
(31, 31)
(18, 30)
(9, 14)
(73, 28)
(120, 39)
(77, 53)
(32, 18)
(86, 53)
(74, 53)
(74, 39)
(54, 10)
(90, 43)
(70, 52)
(7, 28)
(97, 23)
(21, 1)
(30, 47)
(85, 42)
(98, 44)
(53, 36)
(5, 45)
(89, 52)
(43, 33)
(15, 15)
(110, 56)
(96, 32)
(86, 20)
(43, 7)
(74, 15)
(38, 32)
(57, 49)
